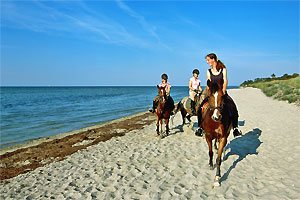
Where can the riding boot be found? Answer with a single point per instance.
(235, 119)
(236, 132)
(171, 104)
(153, 107)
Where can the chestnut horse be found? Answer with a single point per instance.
(216, 124)
(162, 111)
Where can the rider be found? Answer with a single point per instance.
(194, 86)
(218, 74)
(170, 101)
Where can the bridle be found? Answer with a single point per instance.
(219, 108)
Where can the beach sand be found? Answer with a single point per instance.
(261, 164)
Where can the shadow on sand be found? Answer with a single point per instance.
(242, 146)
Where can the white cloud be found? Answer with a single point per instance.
(82, 24)
(151, 29)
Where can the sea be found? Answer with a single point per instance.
(29, 113)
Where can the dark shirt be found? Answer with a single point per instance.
(217, 78)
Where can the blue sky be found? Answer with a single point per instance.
(134, 42)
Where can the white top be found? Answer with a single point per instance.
(195, 83)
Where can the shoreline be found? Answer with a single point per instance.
(37, 141)
(26, 157)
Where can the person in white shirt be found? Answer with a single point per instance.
(194, 88)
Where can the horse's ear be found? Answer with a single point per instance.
(157, 86)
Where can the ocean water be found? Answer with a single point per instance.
(33, 112)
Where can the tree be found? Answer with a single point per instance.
(273, 76)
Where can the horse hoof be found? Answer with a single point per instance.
(211, 167)
(217, 184)
(217, 181)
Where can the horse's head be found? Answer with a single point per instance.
(162, 92)
(215, 100)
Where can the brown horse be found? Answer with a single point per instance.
(162, 111)
(216, 125)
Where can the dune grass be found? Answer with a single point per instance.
(285, 90)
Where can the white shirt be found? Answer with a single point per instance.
(195, 83)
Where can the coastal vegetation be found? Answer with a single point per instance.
(285, 88)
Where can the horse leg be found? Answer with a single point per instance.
(167, 126)
(161, 124)
(183, 114)
(215, 145)
(157, 126)
(222, 144)
(210, 152)
(189, 118)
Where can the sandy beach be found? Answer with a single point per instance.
(261, 164)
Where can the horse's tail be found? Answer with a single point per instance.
(178, 106)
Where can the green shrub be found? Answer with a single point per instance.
(286, 88)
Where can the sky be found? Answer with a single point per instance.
(131, 43)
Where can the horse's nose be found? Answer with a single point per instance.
(216, 117)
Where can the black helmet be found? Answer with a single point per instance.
(164, 76)
(196, 71)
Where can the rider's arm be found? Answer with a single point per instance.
(168, 89)
(225, 80)
(208, 75)
(190, 85)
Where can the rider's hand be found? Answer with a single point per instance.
(195, 90)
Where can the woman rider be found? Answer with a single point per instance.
(218, 74)
(170, 102)
(194, 86)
